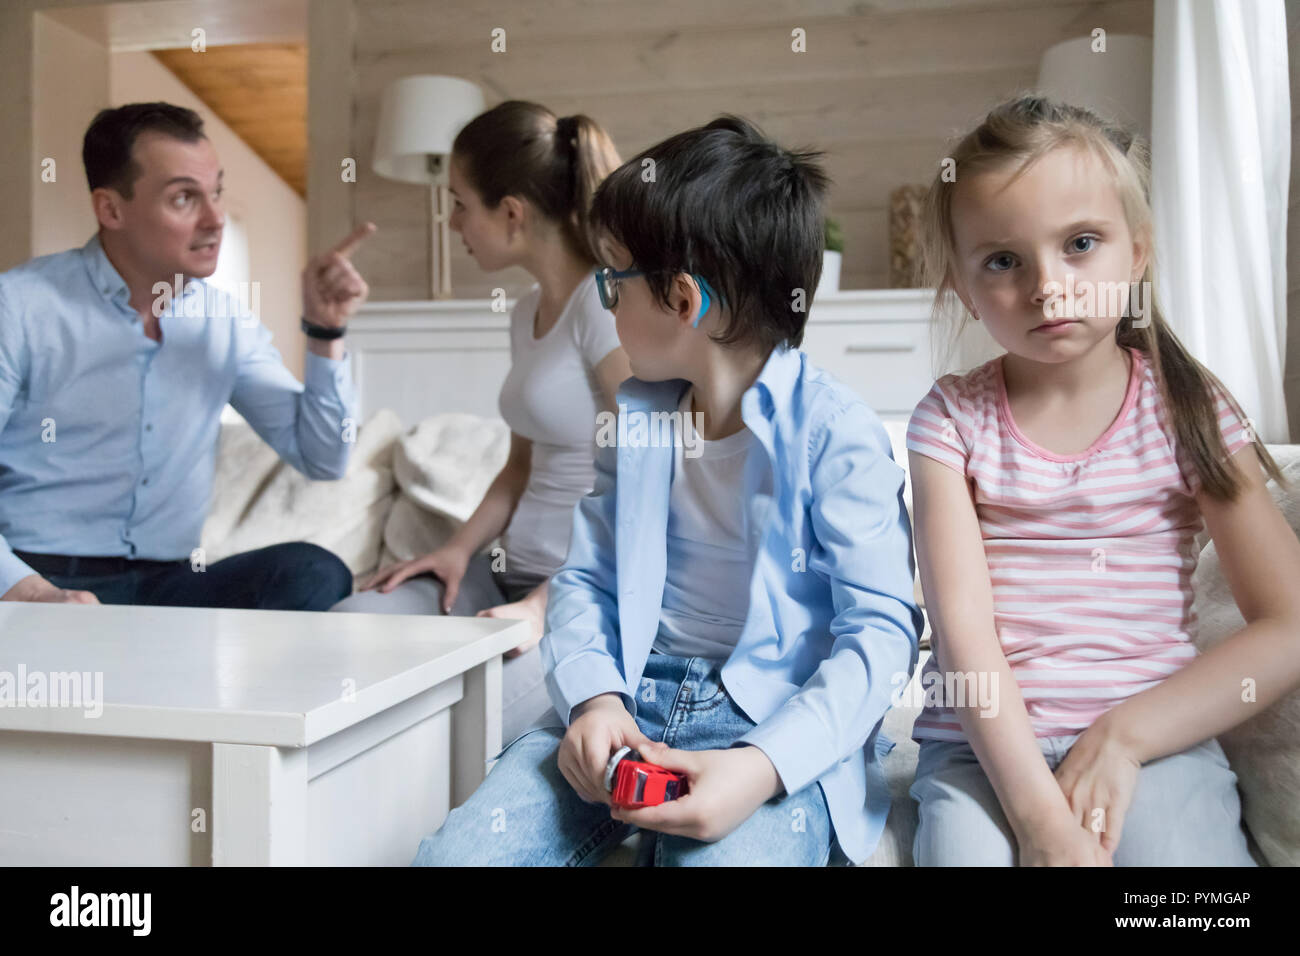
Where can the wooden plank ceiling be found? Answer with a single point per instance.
(260, 91)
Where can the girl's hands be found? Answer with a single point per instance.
(447, 564)
(1098, 777)
(1061, 842)
(602, 726)
(725, 787)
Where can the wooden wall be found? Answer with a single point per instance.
(881, 88)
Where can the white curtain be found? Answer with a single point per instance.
(1221, 160)
(233, 266)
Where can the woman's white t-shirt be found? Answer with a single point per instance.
(551, 396)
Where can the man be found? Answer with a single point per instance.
(111, 389)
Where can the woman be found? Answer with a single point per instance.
(522, 180)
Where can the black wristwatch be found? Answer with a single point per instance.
(322, 331)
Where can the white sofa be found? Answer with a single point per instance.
(406, 489)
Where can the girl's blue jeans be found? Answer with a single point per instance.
(526, 814)
(1185, 810)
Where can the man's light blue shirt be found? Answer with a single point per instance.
(832, 627)
(108, 439)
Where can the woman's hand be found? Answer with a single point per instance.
(724, 787)
(447, 564)
(600, 726)
(1098, 777)
(531, 609)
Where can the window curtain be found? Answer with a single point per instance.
(1221, 159)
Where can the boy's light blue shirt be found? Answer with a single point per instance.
(108, 439)
(832, 615)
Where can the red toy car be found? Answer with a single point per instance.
(635, 783)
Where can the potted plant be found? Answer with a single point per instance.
(832, 257)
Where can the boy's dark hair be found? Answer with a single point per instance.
(730, 205)
(106, 149)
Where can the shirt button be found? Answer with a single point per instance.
(149, 427)
(144, 481)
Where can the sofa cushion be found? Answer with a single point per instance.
(1265, 750)
(259, 500)
(443, 467)
(896, 427)
(899, 765)
(446, 462)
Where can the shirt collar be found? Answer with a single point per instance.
(777, 379)
(771, 390)
(106, 279)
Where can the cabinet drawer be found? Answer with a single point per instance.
(887, 363)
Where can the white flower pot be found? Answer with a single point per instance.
(830, 281)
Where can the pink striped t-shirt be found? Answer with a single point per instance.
(1090, 556)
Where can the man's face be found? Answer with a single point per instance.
(173, 221)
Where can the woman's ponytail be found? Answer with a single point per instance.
(592, 157)
(521, 149)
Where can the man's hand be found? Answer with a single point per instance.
(331, 286)
(36, 588)
(725, 787)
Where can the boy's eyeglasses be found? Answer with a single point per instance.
(608, 281)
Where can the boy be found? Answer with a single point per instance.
(736, 599)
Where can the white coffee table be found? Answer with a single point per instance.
(234, 737)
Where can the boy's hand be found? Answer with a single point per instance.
(725, 788)
(602, 726)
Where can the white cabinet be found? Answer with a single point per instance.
(422, 358)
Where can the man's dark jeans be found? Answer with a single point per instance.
(294, 576)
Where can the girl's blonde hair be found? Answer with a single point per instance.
(1021, 131)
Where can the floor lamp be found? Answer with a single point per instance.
(1114, 81)
(418, 121)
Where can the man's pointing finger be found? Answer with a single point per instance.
(354, 239)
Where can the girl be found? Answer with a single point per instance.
(522, 180)
(1058, 490)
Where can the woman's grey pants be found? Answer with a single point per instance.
(524, 701)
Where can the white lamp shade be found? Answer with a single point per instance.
(1115, 84)
(420, 116)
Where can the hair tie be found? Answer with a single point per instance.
(566, 130)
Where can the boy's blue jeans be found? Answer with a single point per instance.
(526, 814)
